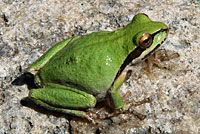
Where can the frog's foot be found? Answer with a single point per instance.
(91, 117)
(131, 111)
(135, 104)
(127, 109)
(158, 59)
(101, 114)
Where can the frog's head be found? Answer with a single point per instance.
(147, 35)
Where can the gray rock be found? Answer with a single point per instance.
(29, 28)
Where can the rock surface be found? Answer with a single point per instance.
(28, 28)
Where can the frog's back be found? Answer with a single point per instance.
(89, 63)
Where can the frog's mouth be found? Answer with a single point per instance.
(137, 55)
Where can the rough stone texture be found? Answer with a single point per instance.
(28, 28)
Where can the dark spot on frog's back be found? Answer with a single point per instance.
(72, 59)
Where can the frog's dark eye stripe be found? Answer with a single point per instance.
(161, 30)
(134, 54)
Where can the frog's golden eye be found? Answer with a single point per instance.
(145, 40)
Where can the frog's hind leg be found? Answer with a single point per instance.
(77, 113)
(65, 100)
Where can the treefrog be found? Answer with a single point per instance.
(77, 73)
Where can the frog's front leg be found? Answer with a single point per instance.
(64, 99)
(116, 99)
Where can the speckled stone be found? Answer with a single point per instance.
(28, 28)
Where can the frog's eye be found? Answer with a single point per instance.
(145, 40)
